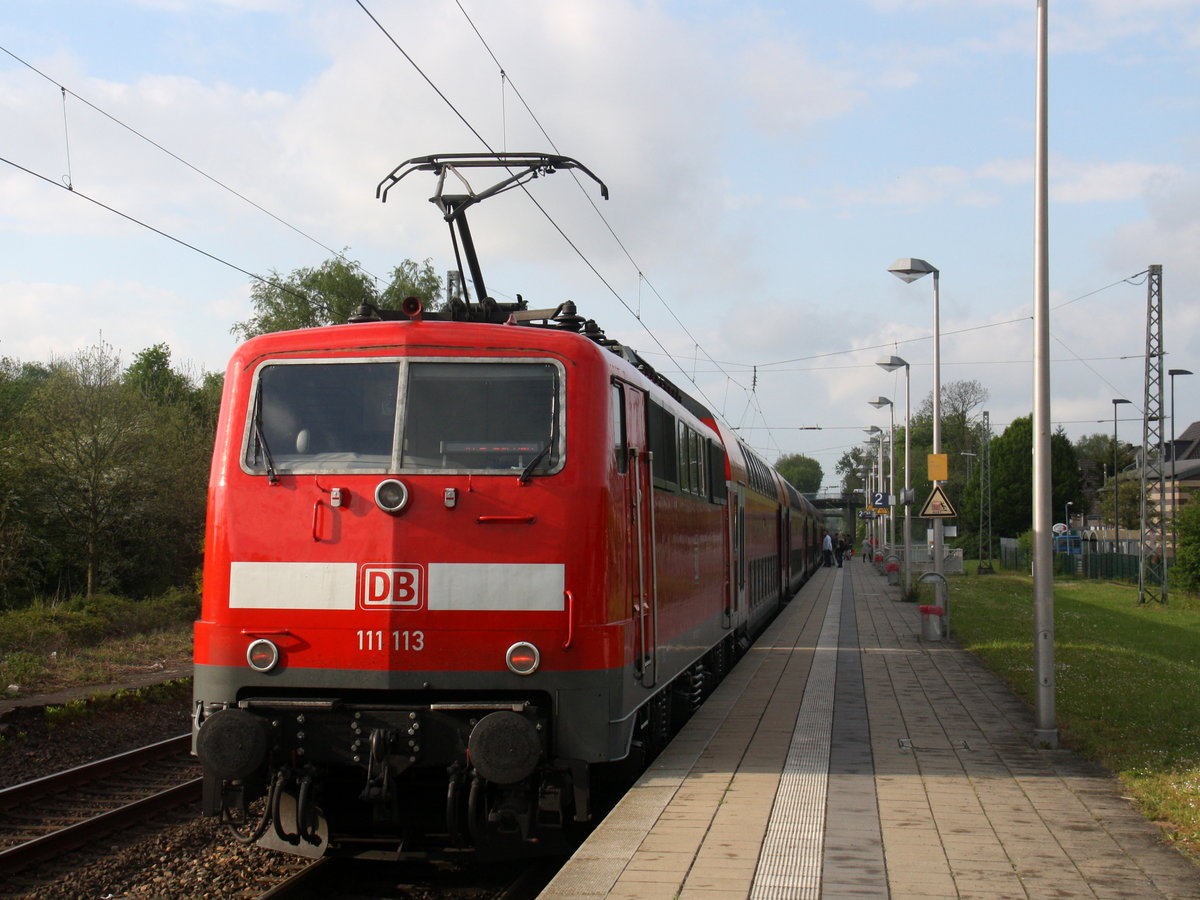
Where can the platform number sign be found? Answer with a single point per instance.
(880, 498)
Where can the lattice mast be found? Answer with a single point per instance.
(985, 498)
(1152, 578)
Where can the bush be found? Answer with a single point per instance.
(86, 621)
(20, 667)
(1187, 557)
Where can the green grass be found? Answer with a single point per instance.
(48, 646)
(1127, 679)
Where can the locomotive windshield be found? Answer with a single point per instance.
(388, 416)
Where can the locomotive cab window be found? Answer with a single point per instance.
(373, 416)
(477, 415)
(337, 417)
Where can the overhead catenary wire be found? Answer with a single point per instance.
(175, 156)
(166, 234)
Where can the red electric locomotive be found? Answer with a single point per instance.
(454, 566)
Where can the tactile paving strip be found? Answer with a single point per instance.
(789, 867)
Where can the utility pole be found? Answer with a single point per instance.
(1152, 560)
(985, 499)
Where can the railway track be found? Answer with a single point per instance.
(46, 817)
(43, 819)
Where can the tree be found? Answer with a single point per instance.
(1187, 554)
(113, 474)
(1129, 495)
(151, 374)
(961, 428)
(82, 448)
(18, 548)
(851, 466)
(1098, 448)
(331, 293)
(1012, 480)
(802, 472)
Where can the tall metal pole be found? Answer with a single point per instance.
(910, 270)
(939, 540)
(907, 490)
(892, 480)
(1116, 482)
(891, 364)
(1046, 726)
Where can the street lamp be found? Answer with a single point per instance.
(1067, 515)
(891, 364)
(1174, 468)
(970, 462)
(876, 437)
(879, 403)
(1116, 481)
(909, 270)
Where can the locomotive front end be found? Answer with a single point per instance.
(388, 623)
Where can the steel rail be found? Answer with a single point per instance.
(20, 794)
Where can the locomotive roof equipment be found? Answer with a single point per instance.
(522, 168)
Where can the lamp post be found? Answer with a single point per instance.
(1174, 471)
(879, 403)
(1117, 401)
(891, 364)
(970, 462)
(909, 270)
(1067, 515)
(876, 437)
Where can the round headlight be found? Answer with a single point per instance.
(262, 655)
(391, 496)
(522, 658)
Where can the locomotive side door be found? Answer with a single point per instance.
(634, 461)
(737, 549)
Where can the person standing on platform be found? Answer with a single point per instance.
(827, 549)
(866, 550)
(839, 549)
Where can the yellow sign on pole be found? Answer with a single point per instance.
(939, 467)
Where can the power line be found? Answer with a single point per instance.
(78, 193)
(65, 91)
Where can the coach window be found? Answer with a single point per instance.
(662, 444)
(682, 435)
(716, 473)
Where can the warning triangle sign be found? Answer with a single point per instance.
(938, 505)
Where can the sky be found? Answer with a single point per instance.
(766, 163)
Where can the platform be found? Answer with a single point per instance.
(845, 757)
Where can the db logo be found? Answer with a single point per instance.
(390, 587)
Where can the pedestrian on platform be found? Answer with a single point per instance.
(839, 549)
(827, 549)
(866, 554)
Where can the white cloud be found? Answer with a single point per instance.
(1075, 182)
(791, 92)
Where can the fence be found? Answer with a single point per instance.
(1089, 561)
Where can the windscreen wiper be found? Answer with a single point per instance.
(272, 478)
(533, 464)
